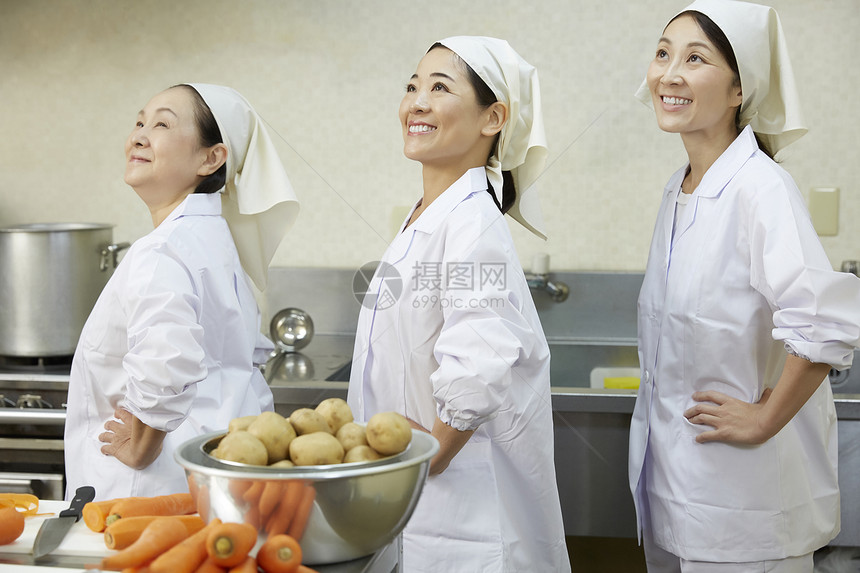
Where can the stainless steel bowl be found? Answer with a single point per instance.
(357, 510)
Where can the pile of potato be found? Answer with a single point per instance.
(311, 437)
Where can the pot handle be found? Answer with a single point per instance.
(110, 253)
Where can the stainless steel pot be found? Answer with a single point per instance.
(50, 277)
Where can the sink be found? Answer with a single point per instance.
(572, 362)
(328, 357)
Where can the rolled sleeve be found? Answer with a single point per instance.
(165, 356)
(483, 338)
(816, 309)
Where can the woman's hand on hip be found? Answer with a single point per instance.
(734, 421)
(131, 441)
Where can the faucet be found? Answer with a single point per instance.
(851, 267)
(539, 279)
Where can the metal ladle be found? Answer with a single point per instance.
(291, 329)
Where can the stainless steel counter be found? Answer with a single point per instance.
(591, 430)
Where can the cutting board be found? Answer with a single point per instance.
(38, 569)
(79, 541)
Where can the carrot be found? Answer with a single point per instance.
(123, 532)
(203, 502)
(238, 487)
(253, 493)
(172, 504)
(249, 565)
(252, 516)
(279, 554)
(305, 569)
(95, 514)
(159, 536)
(280, 520)
(26, 503)
(11, 525)
(192, 485)
(272, 493)
(303, 513)
(187, 555)
(208, 566)
(229, 543)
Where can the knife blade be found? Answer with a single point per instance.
(53, 530)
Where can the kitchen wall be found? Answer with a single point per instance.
(328, 76)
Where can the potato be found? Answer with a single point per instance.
(283, 464)
(315, 449)
(336, 412)
(240, 446)
(361, 454)
(307, 421)
(240, 423)
(275, 432)
(388, 433)
(351, 435)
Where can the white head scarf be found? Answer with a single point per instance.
(771, 105)
(522, 142)
(257, 201)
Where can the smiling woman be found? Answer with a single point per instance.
(733, 439)
(462, 353)
(172, 345)
(167, 158)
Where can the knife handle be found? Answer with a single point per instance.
(83, 496)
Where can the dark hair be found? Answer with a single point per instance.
(721, 42)
(210, 135)
(486, 98)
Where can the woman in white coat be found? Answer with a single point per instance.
(733, 439)
(171, 348)
(448, 334)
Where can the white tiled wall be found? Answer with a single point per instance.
(328, 76)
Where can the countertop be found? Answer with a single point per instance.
(564, 398)
(82, 547)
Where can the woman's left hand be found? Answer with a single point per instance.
(733, 420)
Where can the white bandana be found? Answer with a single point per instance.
(258, 200)
(522, 142)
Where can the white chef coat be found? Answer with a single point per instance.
(745, 279)
(454, 333)
(173, 339)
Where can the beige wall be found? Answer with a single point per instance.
(328, 76)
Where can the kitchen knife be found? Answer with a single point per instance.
(53, 530)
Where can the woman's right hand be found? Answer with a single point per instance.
(131, 441)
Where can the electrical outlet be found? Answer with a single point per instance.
(824, 209)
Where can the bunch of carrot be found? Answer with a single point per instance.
(167, 546)
(164, 535)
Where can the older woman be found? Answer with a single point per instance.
(171, 347)
(733, 440)
(449, 336)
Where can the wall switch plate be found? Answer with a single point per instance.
(824, 209)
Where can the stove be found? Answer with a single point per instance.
(33, 395)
